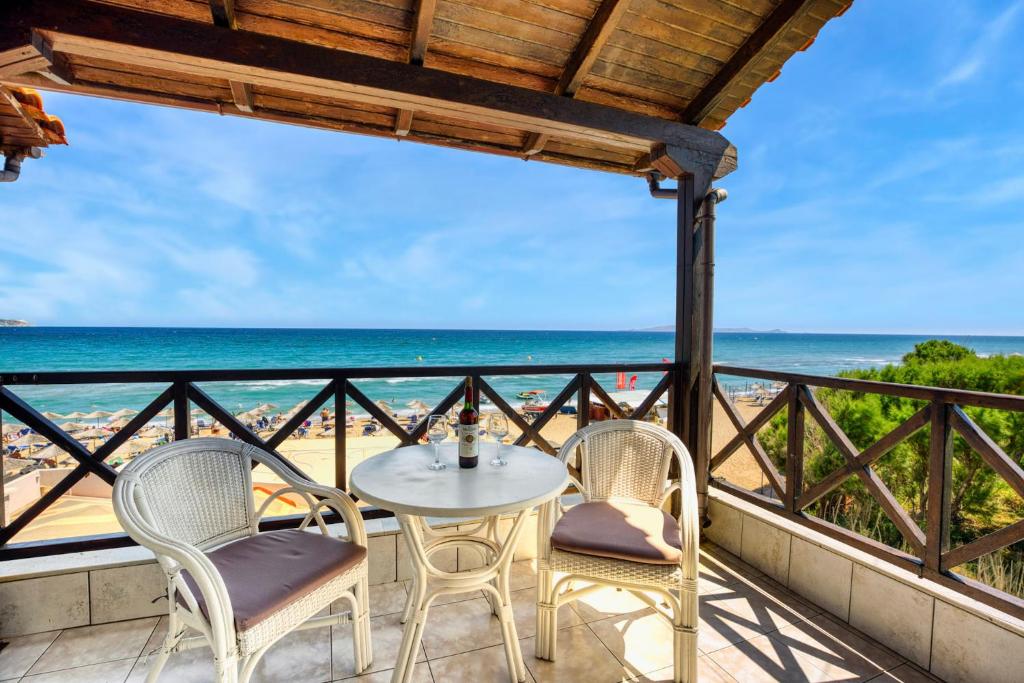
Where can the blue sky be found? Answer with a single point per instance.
(881, 189)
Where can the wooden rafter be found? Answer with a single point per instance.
(582, 59)
(133, 38)
(223, 14)
(423, 19)
(770, 31)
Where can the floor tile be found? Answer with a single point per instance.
(524, 607)
(905, 673)
(107, 672)
(459, 627)
(387, 598)
(488, 665)
(707, 672)
(421, 674)
(523, 575)
(765, 659)
(20, 653)
(641, 642)
(608, 602)
(386, 634)
(838, 651)
(299, 657)
(580, 656)
(448, 598)
(739, 612)
(86, 645)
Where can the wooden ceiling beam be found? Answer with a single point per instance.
(582, 59)
(135, 38)
(767, 34)
(423, 21)
(223, 14)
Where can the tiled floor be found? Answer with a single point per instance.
(751, 630)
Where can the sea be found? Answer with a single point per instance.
(39, 349)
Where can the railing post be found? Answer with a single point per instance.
(3, 458)
(182, 420)
(794, 448)
(583, 402)
(340, 433)
(940, 478)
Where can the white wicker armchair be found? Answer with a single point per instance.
(619, 536)
(191, 502)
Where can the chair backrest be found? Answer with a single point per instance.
(625, 460)
(196, 491)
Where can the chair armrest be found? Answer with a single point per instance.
(329, 496)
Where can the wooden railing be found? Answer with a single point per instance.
(181, 389)
(925, 551)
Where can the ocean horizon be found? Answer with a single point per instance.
(52, 349)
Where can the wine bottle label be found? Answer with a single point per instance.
(469, 441)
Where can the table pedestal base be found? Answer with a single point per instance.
(428, 582)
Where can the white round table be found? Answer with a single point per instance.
(399, 481)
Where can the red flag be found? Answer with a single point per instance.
(620, 381)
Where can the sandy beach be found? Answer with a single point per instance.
(87, 510)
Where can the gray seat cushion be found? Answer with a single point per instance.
(622, 531)
(267, 572)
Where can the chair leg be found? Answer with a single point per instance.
(226, 669)
(170, 640)
(684, 638)
(361, 624)
(547, 615)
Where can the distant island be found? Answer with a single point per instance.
(14, 323)
(745, 330)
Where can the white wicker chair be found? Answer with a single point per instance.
(191, 503)
(624, 465)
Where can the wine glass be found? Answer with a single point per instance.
(437, 431)
(497, 425)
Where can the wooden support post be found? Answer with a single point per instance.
(940, 479)
(794, 450)
(476, 394)
(340, 433)
(583, 402)
(680, 398)
(182, 420)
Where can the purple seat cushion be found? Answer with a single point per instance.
(269, 571)
(622, 531)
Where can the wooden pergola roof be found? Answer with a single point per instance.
(590, 83)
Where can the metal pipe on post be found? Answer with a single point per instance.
(704, 403)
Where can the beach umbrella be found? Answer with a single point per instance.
(52, 452)
(30, 440)
(11, 428)
(53, 416)
(154, 431)
(96, 415)
(383, 405)
(198, 411)
(73, 426)
(419, 406)
(119, 423)
(75, 415)
(124, 412)
(94, 433)
(265, 407)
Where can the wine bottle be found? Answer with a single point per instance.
(469, 430)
